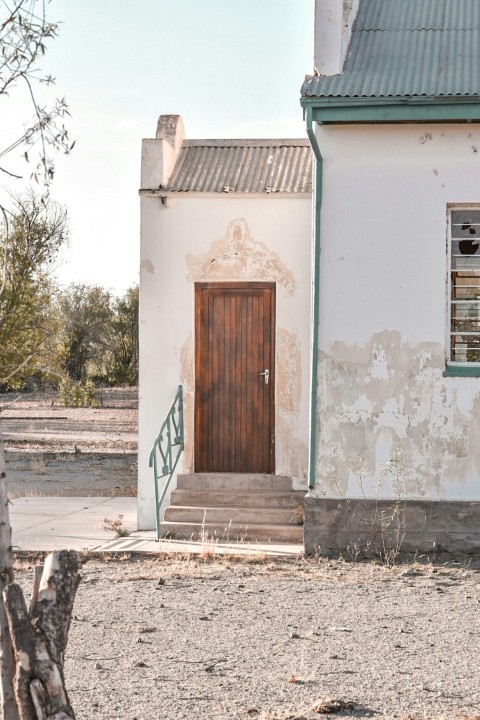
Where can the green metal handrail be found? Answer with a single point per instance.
(170, 436)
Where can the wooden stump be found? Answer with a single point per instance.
(7, 670)
(32, 644)
(39, 638)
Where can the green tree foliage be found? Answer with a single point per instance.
(38, 228)
(31, 229)
(98, 336)
(123, 341)
(29, 241)
(72, 393)
(85, 315)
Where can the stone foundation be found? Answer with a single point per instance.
(377, 527)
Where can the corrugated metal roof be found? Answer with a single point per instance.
(243, 166)
(406, 48)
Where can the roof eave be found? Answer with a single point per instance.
(167, 193)
(420, 108)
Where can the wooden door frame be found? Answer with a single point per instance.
(240, 285)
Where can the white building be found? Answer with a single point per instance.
(224, 313)
(346, 359)
(392, 114)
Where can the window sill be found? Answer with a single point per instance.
(462, 371)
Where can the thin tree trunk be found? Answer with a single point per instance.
(7, 662)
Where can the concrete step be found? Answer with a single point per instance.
(225, 498)
(255, 482)
(242, 515)
(235, 532)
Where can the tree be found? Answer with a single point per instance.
(123, 343)
(98, 334)
(85, 316)
(24, 31)
(38, 229)
(30, 234)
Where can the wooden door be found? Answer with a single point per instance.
(234, 399)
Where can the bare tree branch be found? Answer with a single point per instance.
(7, 172)
(5, 251)
(16, 370)
(23, 37)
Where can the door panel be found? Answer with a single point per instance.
(234, 406)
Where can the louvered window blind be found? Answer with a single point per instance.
(465, 286)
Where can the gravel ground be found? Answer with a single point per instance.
(218, 639)
(214, 639)
(66, 474)
(53, 450)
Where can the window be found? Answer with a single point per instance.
(464, 306)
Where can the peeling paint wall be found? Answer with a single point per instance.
(389, 423)
(292, 384)
(219, 238)
(238, 253)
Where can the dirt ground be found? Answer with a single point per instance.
(172, 639)
(53, 450)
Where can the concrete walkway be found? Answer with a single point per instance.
(78, 523)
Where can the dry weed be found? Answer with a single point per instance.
(38, 466)
(208, 544)
(126, 489)
(324, 707)
(329, 707)
(297, 516)
(116, 526)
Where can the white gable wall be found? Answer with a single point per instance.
(333, 29)
(389, 423)
(198, 238)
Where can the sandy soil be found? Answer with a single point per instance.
(220, 639)
(211, 640)
(52, 450)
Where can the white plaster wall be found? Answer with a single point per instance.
(214, 238)
(334, 21)
(389, 423)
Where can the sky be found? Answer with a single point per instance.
(231, 68)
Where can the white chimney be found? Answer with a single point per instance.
(160, 153)
(333, 29)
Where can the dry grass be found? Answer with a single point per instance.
(457, 715)
(298, 515)
(30, 492)
(208, 545)
(38, 465)
(126, 489)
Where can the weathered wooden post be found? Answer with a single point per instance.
(7, 662)
(39, 638)
(33, 642)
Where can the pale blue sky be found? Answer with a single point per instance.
(231, 68)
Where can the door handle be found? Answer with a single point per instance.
(266, 375)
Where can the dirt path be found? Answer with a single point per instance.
(52, 450)
(176, 639)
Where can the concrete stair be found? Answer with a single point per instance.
(234, 506)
